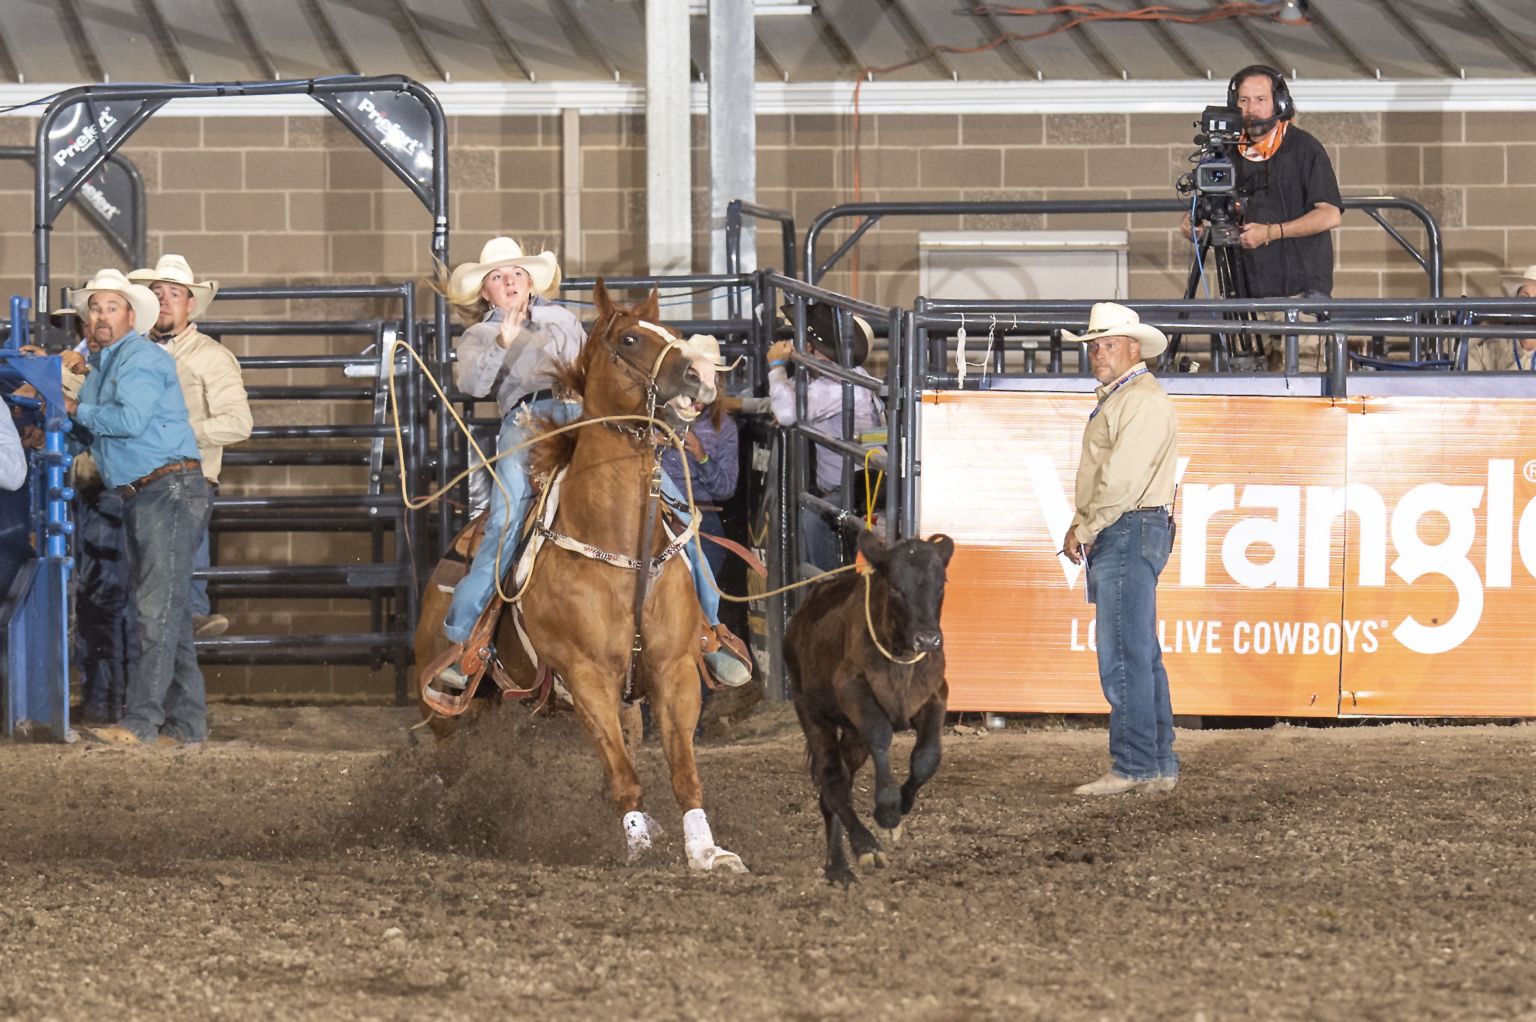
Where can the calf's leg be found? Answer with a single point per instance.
(830, 774)
(929, 724)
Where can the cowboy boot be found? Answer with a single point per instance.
(726, 657)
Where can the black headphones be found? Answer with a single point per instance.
(1285, 107)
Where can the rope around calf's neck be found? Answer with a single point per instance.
(870, 621)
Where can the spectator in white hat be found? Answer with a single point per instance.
(1504, 354)
(213, 388)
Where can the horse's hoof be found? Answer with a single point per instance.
(890, 837)
(840, 876)
(712, 859)
(875, 860)
(637, 834)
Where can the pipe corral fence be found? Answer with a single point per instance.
(918, 345)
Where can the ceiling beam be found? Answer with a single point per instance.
(911, 28)
(1319, 17)
(329, 39)
(8, 66)
(1267, 53)
(1425, 41)
(509, 52)
(165, 39)
(234, 14)
(418, 38)
(571, 21)
(85, 51)
(766, 52)
(1510, 43)
(1010, 47)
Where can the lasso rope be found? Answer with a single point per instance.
(672, 438)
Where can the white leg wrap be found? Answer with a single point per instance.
(636, 833)
(700, 845)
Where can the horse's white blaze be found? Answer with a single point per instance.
(703, 855)
(637, 833)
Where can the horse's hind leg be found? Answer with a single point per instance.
(675, 702)
(597, 708)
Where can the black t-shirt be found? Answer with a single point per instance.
(1283, 188)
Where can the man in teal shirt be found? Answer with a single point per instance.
(132, 416)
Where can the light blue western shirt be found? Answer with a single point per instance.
(132, 411)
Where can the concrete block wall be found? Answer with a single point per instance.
(1476, 172)
(298, 199)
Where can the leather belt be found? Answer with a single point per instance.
(130, 490)
(528, 399)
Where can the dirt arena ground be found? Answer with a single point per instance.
(314, 864)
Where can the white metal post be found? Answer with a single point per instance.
(668, 141)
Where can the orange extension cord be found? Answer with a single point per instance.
(1085, 13)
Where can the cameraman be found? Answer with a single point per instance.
(1294, 196)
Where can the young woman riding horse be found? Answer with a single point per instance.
(611, 632)
(515, 345)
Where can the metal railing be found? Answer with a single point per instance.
(872, 213)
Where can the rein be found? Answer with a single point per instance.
(643, 577)
(869, 620)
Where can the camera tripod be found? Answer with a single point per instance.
(1221, 241)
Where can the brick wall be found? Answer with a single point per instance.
(1475, 172)
(286, 200)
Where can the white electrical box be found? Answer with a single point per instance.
(1015, 265)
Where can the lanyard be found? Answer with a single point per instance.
(1514, 346)
(1127, 378)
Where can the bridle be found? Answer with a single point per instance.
(643, 433)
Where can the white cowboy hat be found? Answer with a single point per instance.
(1110, 320)
(1513, 284)
(146, 307)
(542, 269)
(173, 269)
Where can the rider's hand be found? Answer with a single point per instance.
(74, 362)
(511, 325)
(779, 351)
(693, 445)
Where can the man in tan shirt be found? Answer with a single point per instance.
(1124, 530)
(214, 390)
(1503, 354)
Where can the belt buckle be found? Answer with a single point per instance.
(129, 491)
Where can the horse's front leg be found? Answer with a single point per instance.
(597, 708)
(675, 704)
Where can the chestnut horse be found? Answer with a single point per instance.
(579, 610)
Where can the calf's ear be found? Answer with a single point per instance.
(944, 545)
(874, 549)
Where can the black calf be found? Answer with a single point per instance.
(866, 658)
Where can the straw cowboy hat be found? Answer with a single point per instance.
(821, 331)
(542, 269)
(1110, 320)
(708, 346)
(1513, 284)
(173, 269)
(146, 307)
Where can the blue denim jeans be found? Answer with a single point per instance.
(103, 610)
(165, 687)
(1126, 560)
(197, 601)
(473, 593)
(820, 543)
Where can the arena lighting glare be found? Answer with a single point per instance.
(1293, 10)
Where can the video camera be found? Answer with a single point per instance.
(1213, 182)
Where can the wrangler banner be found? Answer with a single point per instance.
(1370, 556)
